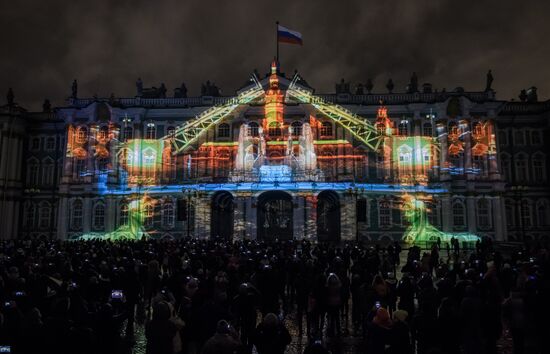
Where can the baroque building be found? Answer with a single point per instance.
(276, 161)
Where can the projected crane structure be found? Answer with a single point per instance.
(190, 132)
(358, 127)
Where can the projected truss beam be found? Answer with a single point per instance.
(358, 127)
(191, 131)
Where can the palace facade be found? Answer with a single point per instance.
(276, 161)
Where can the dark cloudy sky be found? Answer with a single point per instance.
(106, 45)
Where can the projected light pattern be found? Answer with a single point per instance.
(137, 211)
(420, 231)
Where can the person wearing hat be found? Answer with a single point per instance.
(400, 336)
(271, 336)
(224, 341)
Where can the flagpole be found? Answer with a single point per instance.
(277, 40)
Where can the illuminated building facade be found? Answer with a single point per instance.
(276, 161)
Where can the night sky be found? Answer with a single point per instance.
(107, 45)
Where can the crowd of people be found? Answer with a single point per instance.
(206, 296)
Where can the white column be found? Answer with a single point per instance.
(62, 218)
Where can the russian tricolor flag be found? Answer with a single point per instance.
(284, 35)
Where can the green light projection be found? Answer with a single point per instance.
(421, 232)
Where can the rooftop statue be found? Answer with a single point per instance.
(10, 97)
(162, 91)
(390, 86)
(413, 84)
(359, 89)
(489, 81)
(139, 87)
(342, 87)
(74, 89)
(46, 106)
(369, 85)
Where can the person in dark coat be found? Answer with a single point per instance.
(160, 331)
(271, 336)
(400, 336)
(379, 330)
(224, 341)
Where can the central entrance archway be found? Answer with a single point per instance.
(221, 226)
(328, 217)
(275, 220)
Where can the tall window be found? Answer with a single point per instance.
(296, 128)
(506, 167)
(326, 129)
(50, 144)
(30, 212)
(459, 217)
(76, 215)
(168, 214)
(483, 213)
(223, 130)
(149, 214)
(453, 130)
(253, 129)
(526, 214)
(99, 216)
(80, 167)
(478, 130)
(123, 215)
(519, 137)
(81, 135)
(503, 137)
(381, 128)
(510, 213)
(542, 213)
(44, 215)
(384, 214)
(404, 128)
(151, 131)
(128, 133)
(539, 168)
(428, 131)
(536, 137)
(274, 129)
(35, 144)
(521, 168)
(47, 173)
(433, 213)
(32, 170)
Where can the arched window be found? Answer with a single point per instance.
(510, 213)
(81, 135)
(483, 213)
(123, 215)
(99, 216)
(403, 128)
(296, 128)
(30, 212)
(428, 130)
(128, 133)
(80, 167)
(381, 128)
(35, 144)
(536, 137)
(453, 130)
(522, 174)
(539, 167)
(32, 172)
(223, 130)
(44, 215)
(103, 133)
(47, 172)
(326, 129)
(478, 130)
(253, 129)
(149, 215)
(519, 137)
(384, 213)
(526, 213)
(50, 144)
(542, 213)
(76, 215)
(168, 214)
(433, 213)
(151, 131)
(274, 129)
(459, 217)
(506, 167)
